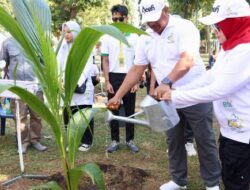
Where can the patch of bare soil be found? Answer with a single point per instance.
(21, 184)
(123, 177)
(116, 178)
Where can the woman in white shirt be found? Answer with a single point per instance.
(227, 84)
(79, 101)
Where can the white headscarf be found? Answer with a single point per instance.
(65, 46)
(73, 26)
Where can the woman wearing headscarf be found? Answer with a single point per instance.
(79, 101)
(227, 84)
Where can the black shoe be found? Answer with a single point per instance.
(113, 147)
(131, 145)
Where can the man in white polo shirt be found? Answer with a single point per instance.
(172, 49)
(117, 60)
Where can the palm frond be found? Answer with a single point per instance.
(76, 128)
(49, 77)
(24, 17)
(93, 171)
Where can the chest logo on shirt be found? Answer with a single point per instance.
(235, 122)
(227, 104)
(170, 38)
(147, 42)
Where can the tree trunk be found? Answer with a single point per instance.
(208, 39)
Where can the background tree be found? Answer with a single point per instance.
(64, 10)
(102, 15)
(6, 5)
(85, 12)
(192, 10)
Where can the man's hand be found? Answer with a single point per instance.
(109, 87)
(134, 88)
(114, 103)
(143, 77)
(167, 95)
(161, 90)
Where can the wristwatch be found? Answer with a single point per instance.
(167, 81)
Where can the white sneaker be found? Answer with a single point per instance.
(172, 186)
(213, 188)
(190, 149)
(38, 146)
(84, 147)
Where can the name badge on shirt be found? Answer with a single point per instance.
(121, 59)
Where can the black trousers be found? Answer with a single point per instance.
(89, 132)
(116, 80)
(235, 161)
(188, 133)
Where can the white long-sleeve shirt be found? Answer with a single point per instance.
(227, 84)
(87, 97)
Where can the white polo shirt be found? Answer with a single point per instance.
(163, 51)
(111, 47)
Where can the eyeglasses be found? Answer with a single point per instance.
(215, 27)
(116, 19)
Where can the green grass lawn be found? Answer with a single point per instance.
(151, 158)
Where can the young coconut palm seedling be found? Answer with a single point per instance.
(31, 29)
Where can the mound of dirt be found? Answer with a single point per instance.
(123, 177)
(116, 178)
